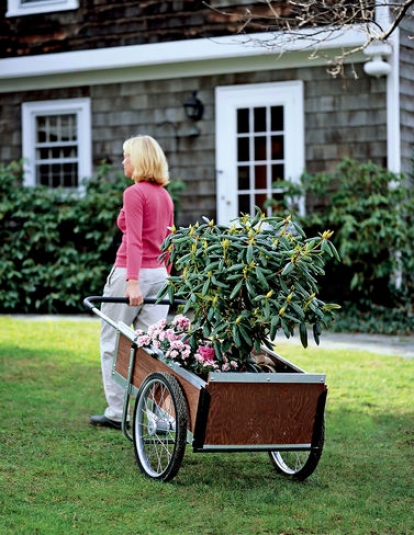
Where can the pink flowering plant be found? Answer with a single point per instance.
(180, 344)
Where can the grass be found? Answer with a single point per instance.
(58, 475)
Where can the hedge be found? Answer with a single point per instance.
(57, 246)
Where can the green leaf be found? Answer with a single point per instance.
(261, 278)
(245, 336)
(236, 267)
(316, 332)
(206, 286)
(303, 332)
(250, 289)
(236, 335)
(274, 325)
(250, 254)
(171, 293)
(236, 289)
(289, 267)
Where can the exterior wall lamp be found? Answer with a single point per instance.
(377, 66)
(194, 108)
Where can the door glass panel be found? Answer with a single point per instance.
(276, 118)
(260, 120)
(277, 148)
(260, 199)
(260, 148)
(243, 178)
(243, 121)
(244, 204)
(243, 152)
(260, 177)
(278, 172)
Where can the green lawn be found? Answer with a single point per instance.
(58, 475)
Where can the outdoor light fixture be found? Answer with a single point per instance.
(194, 108)
(377, 66)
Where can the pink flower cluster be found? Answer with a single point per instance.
(172, 339)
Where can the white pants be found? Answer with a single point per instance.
(150, 282)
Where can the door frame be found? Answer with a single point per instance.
(230, 98)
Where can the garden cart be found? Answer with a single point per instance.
(280, 413)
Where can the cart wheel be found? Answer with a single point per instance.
(299, 464)
(160, 426)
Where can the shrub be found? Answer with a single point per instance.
(246, 282)
(371, 211)
(57, 246)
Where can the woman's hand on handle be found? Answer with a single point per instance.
(133, 293)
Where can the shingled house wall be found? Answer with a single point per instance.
(343, 118)
(407, 96)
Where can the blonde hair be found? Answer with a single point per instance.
(148, 160)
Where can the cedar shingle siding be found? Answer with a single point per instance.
(100, 24)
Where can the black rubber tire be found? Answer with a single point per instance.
(300, 464)
(160, 426)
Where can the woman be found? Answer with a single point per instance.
(144, 221)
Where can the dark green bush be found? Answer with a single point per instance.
(57, 246)
(371, 211)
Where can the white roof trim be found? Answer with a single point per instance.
(171, 53)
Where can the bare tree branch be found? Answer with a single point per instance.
(314, 22)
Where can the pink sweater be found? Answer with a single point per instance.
(147, 213)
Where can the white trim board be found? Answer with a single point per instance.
(167, 71)
(163, 54)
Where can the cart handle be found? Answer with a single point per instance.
(124, 300)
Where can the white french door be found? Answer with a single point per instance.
(259, 141)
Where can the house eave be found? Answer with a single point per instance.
(184, 58)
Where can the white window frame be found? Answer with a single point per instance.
(290, 94)
(17, 9)
(30, 110)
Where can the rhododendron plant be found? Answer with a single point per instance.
(246, 283)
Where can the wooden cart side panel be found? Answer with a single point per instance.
(145, 364)
(123, 356)
(256, 414)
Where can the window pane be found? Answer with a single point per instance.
(56, 175)
(277, 148)
(243, 178)
(260, 120)
(70, 175)
(276, 118)
(244, 204)
(278, 172)
(243, 121)
(260, 148)
(56, 128)
(260, 177)
(259, 200)
(243, 153)
(56, 153)
(67, 127)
